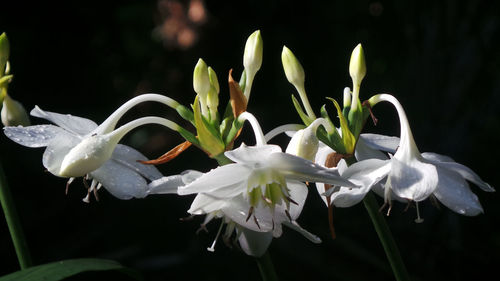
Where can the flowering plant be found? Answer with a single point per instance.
(255, 189)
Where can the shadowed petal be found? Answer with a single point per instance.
(464, 171)
(454, 192)
(57, 149)
(414, 180)
(128, 156)
(120, 181)
(254, 243)
(381, 142)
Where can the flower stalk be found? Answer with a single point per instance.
(385, 237)
(13, 222)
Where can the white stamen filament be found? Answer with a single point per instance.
(212, 248)
(257, 130)
(418, 219)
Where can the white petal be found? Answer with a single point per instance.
(454, 192)
(297, 168)
(74, 124)
(251, 154)
(120, 181)
(228, 178)
(254, 243)
(165, 185)
(464, 171)
(237, 210)
(323, 152)
(203, 204)
(57, 149)
(298, 193)
(364, 151)
(413, 180)
(381, 142)
(364, 173)
(32, 136)
(128, 156)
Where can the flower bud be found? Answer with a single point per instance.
(357, 65)
(213, 79)
(4, 52)
(293, 69)
(304, 143)
(347, 97)
(13, 112)
(252, 57)
(201, 80)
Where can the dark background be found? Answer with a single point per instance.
(439, 58)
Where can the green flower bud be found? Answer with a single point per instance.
(4, 52)
(13, 112)
(213, 79)
(252, 57)
(201, 80)
(357, 65)
(293, 69)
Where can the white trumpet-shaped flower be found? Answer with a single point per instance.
(77, 147)
(260, 191)
(414, 176)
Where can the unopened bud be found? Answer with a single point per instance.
(293, 69)
(13, 112)
(201, 80)
(347, 97)
(4, 52)
(357, 65)
(252, 57)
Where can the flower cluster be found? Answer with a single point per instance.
(255, 189)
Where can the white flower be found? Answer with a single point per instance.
(78, 147)
(415, 176)
(262, 190)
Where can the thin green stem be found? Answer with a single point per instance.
(12, 218)
(266, 267)
(385, 236)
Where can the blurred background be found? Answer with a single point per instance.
(439, 58)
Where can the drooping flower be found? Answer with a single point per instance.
(77, 147)
(261, 190)
(415, 176)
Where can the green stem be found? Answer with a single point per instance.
(265, 264)
(385, 236)
(12, 218)
(266, 267)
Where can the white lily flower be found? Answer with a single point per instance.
(415, 176)
(121, 175)
(264, 184)
(77, 147)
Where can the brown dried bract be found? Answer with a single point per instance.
(174, 152)
(237, 98)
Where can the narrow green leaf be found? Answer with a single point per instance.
(62, 269)
(307, 121)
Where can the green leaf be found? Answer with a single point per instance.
(347, 137)
(334, 140)
(307, 121)
(209, 137)
(62, 269)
